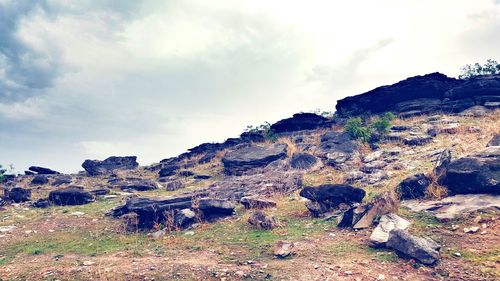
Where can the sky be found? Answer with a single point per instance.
(90, 79)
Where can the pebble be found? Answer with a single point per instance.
(381, 277)
(88, 263)
(457, 254)
(472, 229)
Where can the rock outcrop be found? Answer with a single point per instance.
(477, 173)
(299, 121)
(261, 220)
(238, 161)
(72, 195)
(413, 187)
(17, 194)
(96, 167)
(42, 170)
(325, 198)
(303, 161)
(425, 94)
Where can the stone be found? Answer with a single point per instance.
(62, 179)
(413, 187)
(283, 249)
(100, 191)
(41, 203)
(354, 175)
(42, 170)
(423, 250)
(333, 193)
(299, 121)
(96, 167)
(72, 195)
(39, 180)
(260, 220)
(475, 111)
(380, 205)
(303, 161)
(442, 163)
(477, 173)
(417, 140)
(186, 173)
(174, 185)
(208, 157)
(495, 141)
(168, 171)
(201, 177)
(137, 184)
(17, 194)
(211, 208)
(353, 215)
(376, 155)
(338, 143)
(257, 203)
(238, 161)
(472, 229)
(183, 219)
(388, 222)
(454, 207)
(373, 166)
(376, 176)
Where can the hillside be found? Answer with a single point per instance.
(417, 197)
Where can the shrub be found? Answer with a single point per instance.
(354, 127)
(2, 172)
(383, 123)
(491, 67)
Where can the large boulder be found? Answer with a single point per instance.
(42, 170)
(137, 184)
(210, 208)
(96, 167)
(260, 220)
(39, 180)
(477, 173)
(387, 223)
(299, 121)
(495, 141)
(17, 194)
(71, 195)
(303, 161)
(423, 250)
(246, 158)
(413, 187)
(429, 93)
(327, 197)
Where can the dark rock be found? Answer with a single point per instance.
(417, 140)
(210, 208)
(252, 137)
(495, 141)
(201, 177)
(333, 193)
(100, 192)
(399, 128)
(353, 215)
(423, 250)
(257, 203)
(137, 184)
(260, 220)
(424, 94)
(41, 203)
(42, 170)
(186, 173)
(380, 205)
(29, 173)
(243, 159)
(17, 194)
(413, 187)
(174, 185)
(209, 156)
(478, 173)
(299, 121)
(168, 171)
(96, 167)
(39, 180)
(302, 161)
(72, 195)
(183, 218)
(442, 163)
(62, 179)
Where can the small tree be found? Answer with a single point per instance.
(382, 124)
(354, 127)
(491, 67)
(2, 173)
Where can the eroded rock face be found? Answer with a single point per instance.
(39, 180)
(423, 250)
(303, 161)
(425, 94)
(257, 203)
(413, 187)
(495, 141)
(260, 220)
(299, 121)
(477, 173)
(96, 167)
(137, 184)
(380, 234)
(72, 195)
(327, 197)
(238, 161)
(17, 194)
(168, 170)
(211, 208)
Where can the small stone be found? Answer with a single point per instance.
(477, 219)
(473, 229)
(189, 233)
(77, 214)
(316, 266)
(381, 277)
(457, 254)
(88, 263)
(348, 272)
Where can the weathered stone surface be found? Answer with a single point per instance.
(456, 206)
(495, 141)
(257, 203)
(380, 205)
(373, 166)
(303, 161)
(417, 140)
(442, 162)
(39, 180)
(42, 170)
(260, 220)
(174, 185)
(96, 167)
(299, 121)
(41, 203)
(17, 194)
(327, 197)
(283, 249)
(246, 158)
(62, 179)
(376, 155)
(210, 208)
(413, 187)
(201, 177)
(353, 215)
(478, 173)
(380, 234)
(424, 250)
(136, 184)
(186, 173)
(424, 94)
(168, 170)
(72, 195)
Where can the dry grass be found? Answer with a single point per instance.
(292, 148)
(435, 190)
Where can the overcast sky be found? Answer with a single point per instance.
(89, 79)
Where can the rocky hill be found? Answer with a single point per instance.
(362, 195)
